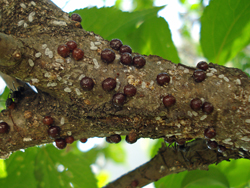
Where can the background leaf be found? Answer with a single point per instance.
(49, 167)
(142, 30)
(173, 180)
(205, 179)
(225, 26)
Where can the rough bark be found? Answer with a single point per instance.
(31, 31)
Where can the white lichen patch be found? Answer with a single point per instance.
(25, 25)
(143, 85)
(93, 48)
(31, 16)
(34, 80)
(20, 23)
(158, 118)
(47, 74)
(189, 113)
(118, 132)
(97, 43)
(81, 76)
(209, 74)
(247, 120)
(186, 71)
(178, 125)
(221, 76)
(117, 56)
(78, 92)
(67, 89)
(22, 5)
(203, 100)
(158, 62)
(33, 3)
(118, 84)
(237, 82)
(44, 46)
(31, 62)
(50, 54)
(59, 23)
(27, 139)
(59, 60)
(98, 38)
(194, 113)
(245, 138)
(51, 84)
(226, 79)
(68, 60)
(37, 55)
(181, 68)
(203, 117)
(62, 121)
(69, 133)
(96, 64)
(47, 50)
(213, 70)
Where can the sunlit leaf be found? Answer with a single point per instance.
(3, 172)
(236, 171)
(48, 167)
(205, 179)
(173, 180)
(225, 26)
(116, 152)
(142, 30)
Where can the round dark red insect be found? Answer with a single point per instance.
(4, 128)
(196, 104)
(115, 44)
(209, 132)
(87, 83)
(119, 99)
(63, 50)
(169, 100)
(139, 61)
(129, 90)
(108, 55)
(163, 78)
(61, 143)
(108, 84)
(199, 75)
(202, 65)
(125, 48)
(76, 17)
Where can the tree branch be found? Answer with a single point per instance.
(171, 160)
(30, 33)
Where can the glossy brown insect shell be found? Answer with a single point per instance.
(76, 17)
(139, 61)
(129, 90)
(196, 104)
(61, 143)
(119, 99)
(47, 120)
(54, 131)
(83, 140)
(209, 132)
(207, 107)
(108, 55)
(169, 101)
(199, 75)
(108, 84)
(163, 78)
(87, 83)
(126, 59)
(77, 54)
(72, 45)
(69, 139)
(131, 138)
(202, 65)
(115, 44)
(4, 128)
(63, 50)
(125, 48)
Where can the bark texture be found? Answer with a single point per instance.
(31, 31)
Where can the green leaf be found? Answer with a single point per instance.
(173, 180)
(236, 171)
(3, 98)
(205, 179)
(156, 147)
(115, 152)
(225, 26)
(142, 30)
(3, 173)
(153, 37)
(39, 167)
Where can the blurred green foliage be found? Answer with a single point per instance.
(225, 27)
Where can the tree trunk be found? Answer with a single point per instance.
(30, 33)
